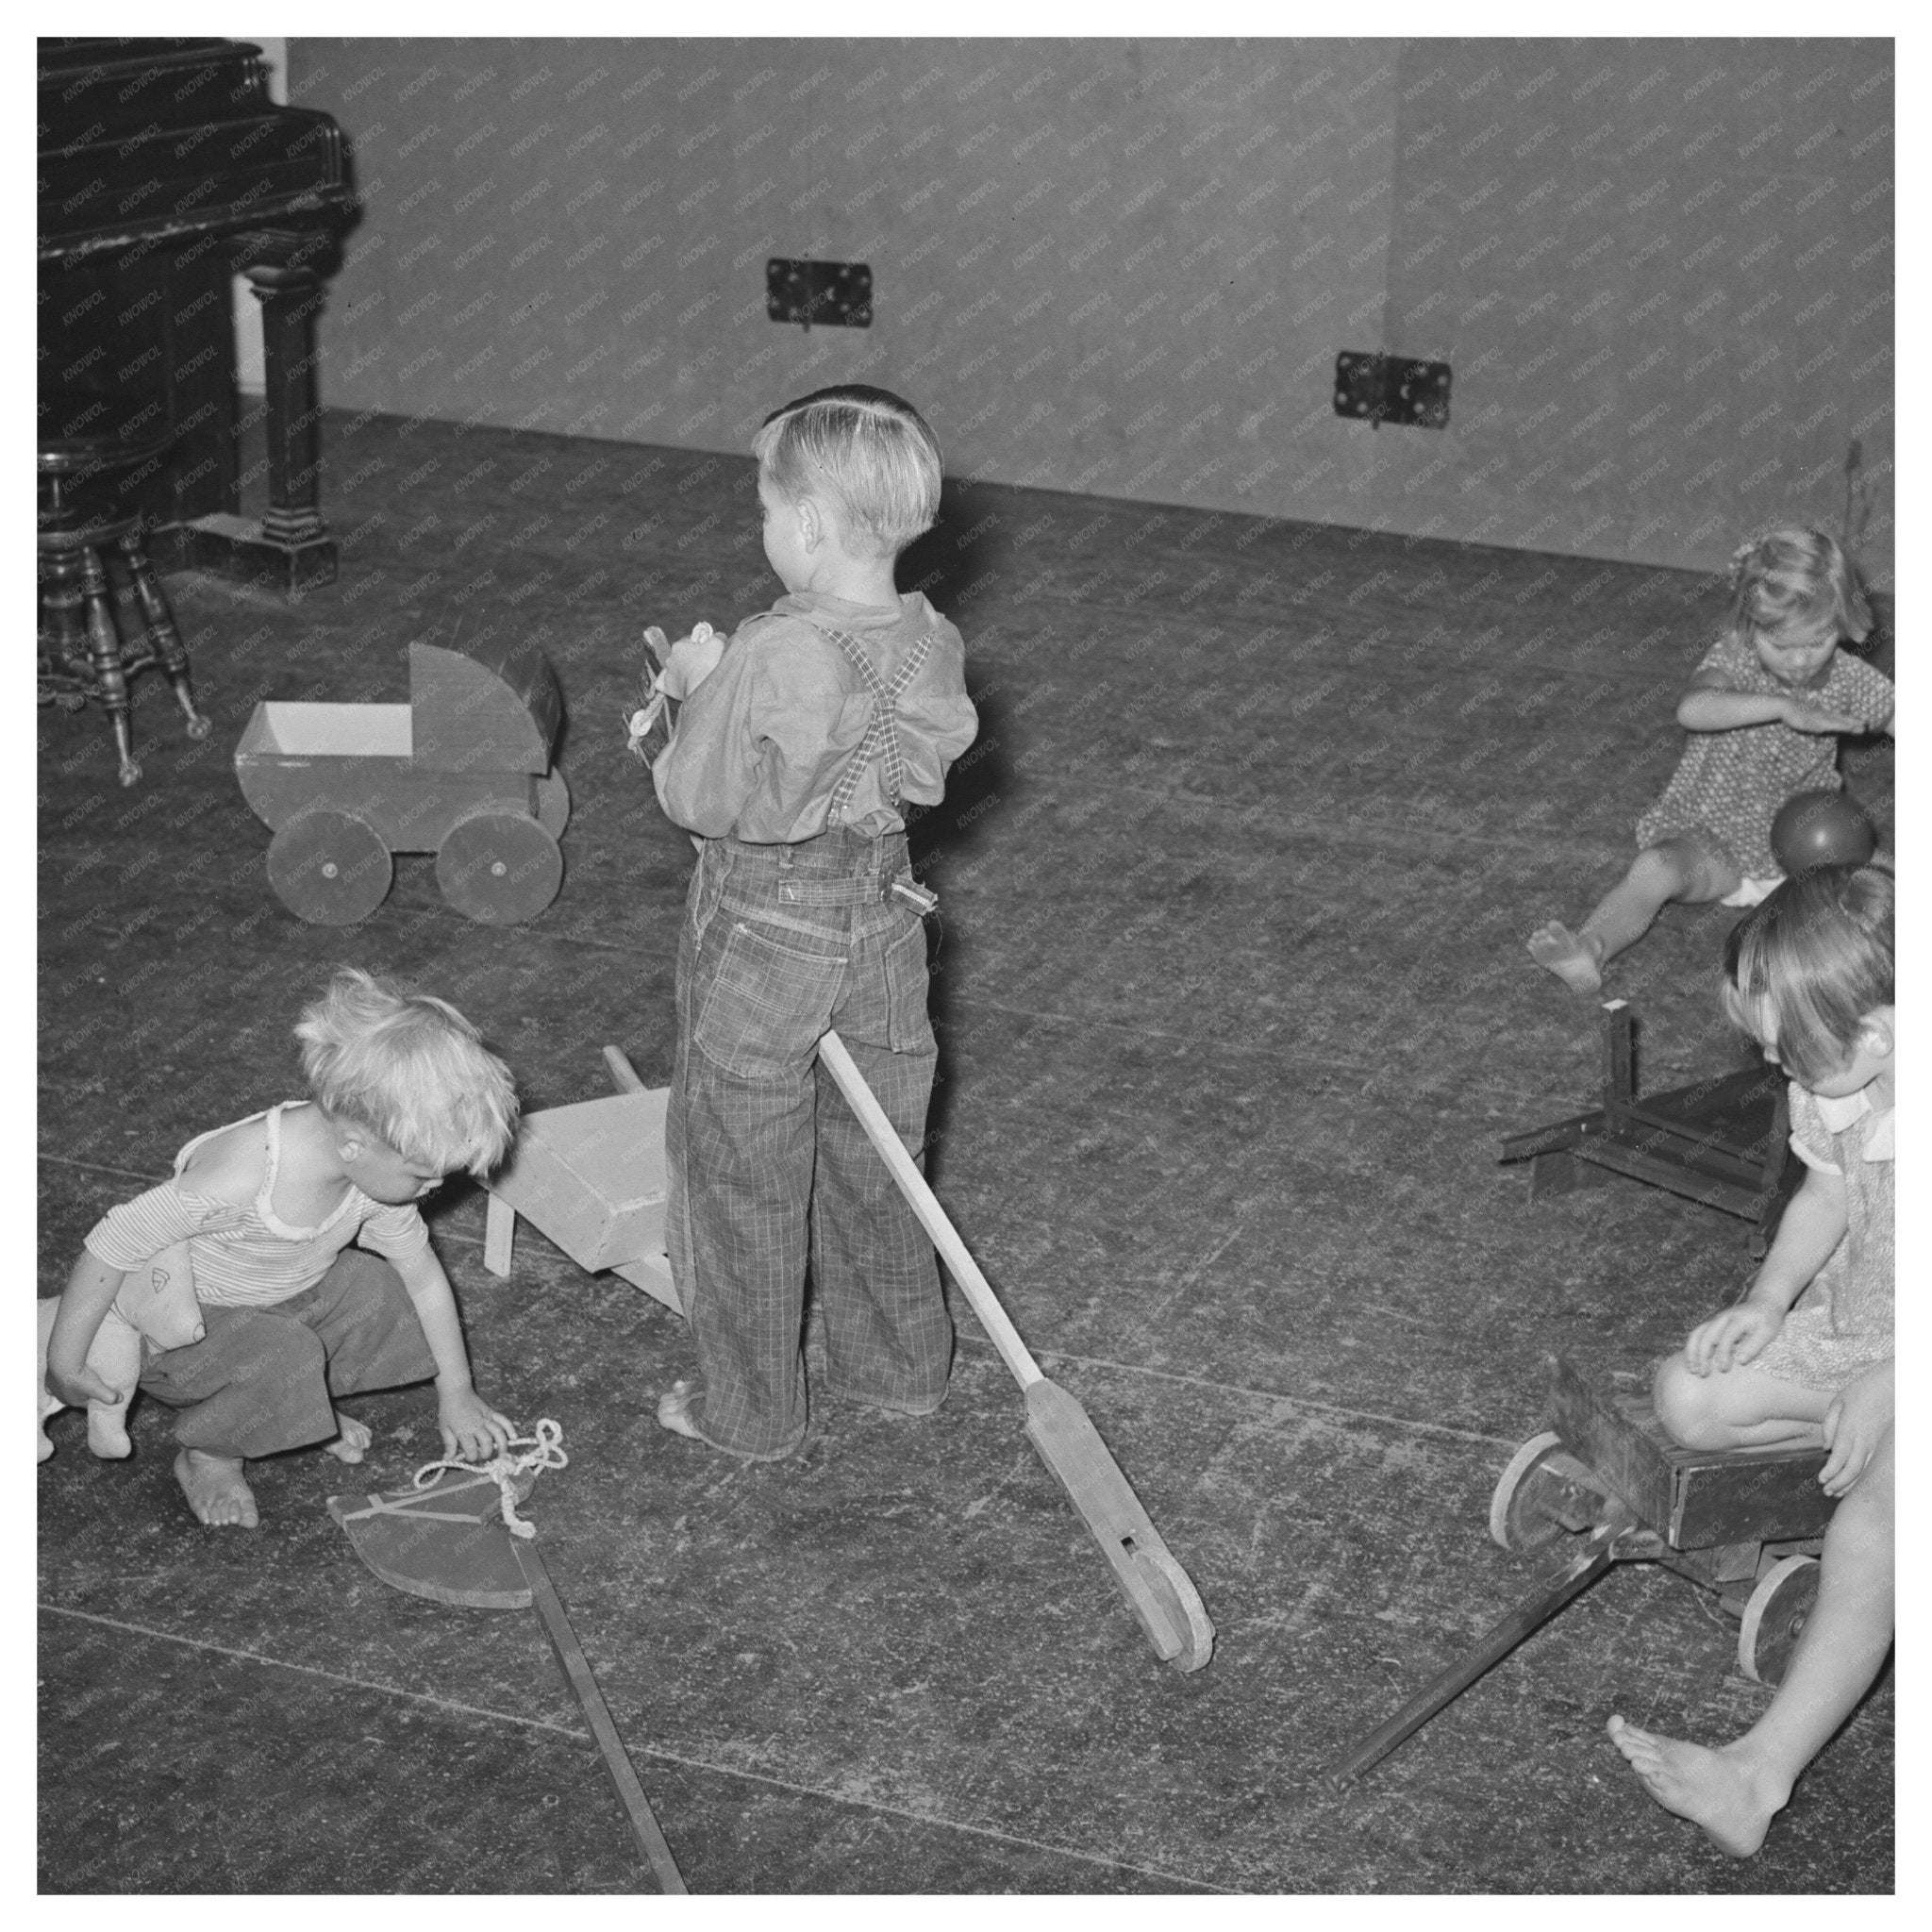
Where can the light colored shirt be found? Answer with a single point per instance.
(244, 1256)
(760, 744)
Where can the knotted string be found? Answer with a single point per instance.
(544, 1450)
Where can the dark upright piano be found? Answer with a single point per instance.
(164, 168)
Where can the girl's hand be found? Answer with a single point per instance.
(1854, 1426)
(472, 1430)
(1729, 1340)
(1801, 714)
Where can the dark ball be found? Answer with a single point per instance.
(1821, 829)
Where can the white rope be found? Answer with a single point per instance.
(544, 1450)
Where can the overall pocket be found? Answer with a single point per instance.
(908, 1022)
(762, 1002)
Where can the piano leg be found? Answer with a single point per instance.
(291, 546)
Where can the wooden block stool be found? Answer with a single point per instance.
(592, 1178)
(93, 447)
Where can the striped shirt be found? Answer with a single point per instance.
(243, 1256)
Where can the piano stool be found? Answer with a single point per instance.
(91, 448)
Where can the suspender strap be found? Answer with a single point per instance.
(881, 739)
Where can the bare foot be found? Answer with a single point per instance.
(672, 1408)
(1575, 958)
(1723, 1793)
(215, 1491)
(351, 1444)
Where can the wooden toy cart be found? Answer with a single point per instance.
(462, 769)
(1720, 1142)
(1607, 1484)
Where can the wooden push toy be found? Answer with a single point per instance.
(1744, 1523)
(462, 769)
(1721, 1142)
(455, 1537)
(591, 1177)
(1160, 1590)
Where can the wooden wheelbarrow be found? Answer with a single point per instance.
(1610, 1486)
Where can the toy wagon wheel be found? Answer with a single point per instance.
(1539, 1477)
(553, 803)
(1775, 1619)
(499, 869)
(329, 867)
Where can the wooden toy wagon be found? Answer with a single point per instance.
(1608, 1485)
(462, 769)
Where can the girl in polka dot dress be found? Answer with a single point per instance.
(1806, 1357)
(1764, 711)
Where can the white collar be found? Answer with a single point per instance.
(1842, 1114)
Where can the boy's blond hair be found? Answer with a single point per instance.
(409, 1069)
(869, 452)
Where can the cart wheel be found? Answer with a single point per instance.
(498, 869)
(329, 867)
(1775, 1619)
(1534, 1493)
(553, 804)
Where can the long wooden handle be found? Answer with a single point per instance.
(623, 1077)
(576, 1669)
(932, 1217)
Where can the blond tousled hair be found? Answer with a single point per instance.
(409, 1069)
(1790, 573)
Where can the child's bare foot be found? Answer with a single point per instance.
(1727, 1794)
(672, 1408)
(1575, 958)
(215, 1489)
(351, 1444)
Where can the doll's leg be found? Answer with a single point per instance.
(1683, 867)
(49, 1405)
(115, 1356)
(1734, 1791)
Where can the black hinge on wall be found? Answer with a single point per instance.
(1392, 389)
(836, 295)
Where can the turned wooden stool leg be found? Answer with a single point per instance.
(63, 638)
(104, 642)
(160, 617)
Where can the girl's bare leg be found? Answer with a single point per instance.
(1680, 868)
(1734, 1791)
(1736, 1408)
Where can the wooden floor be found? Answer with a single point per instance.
(1234, 1009)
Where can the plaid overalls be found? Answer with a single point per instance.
(769, 1169)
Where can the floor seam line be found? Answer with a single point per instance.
(255, 1657)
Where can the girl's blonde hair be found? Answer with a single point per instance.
(870, 452)
(1814, 959)
(410, 1070)
(1790, 574)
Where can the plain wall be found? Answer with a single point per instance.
(1661, 271)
